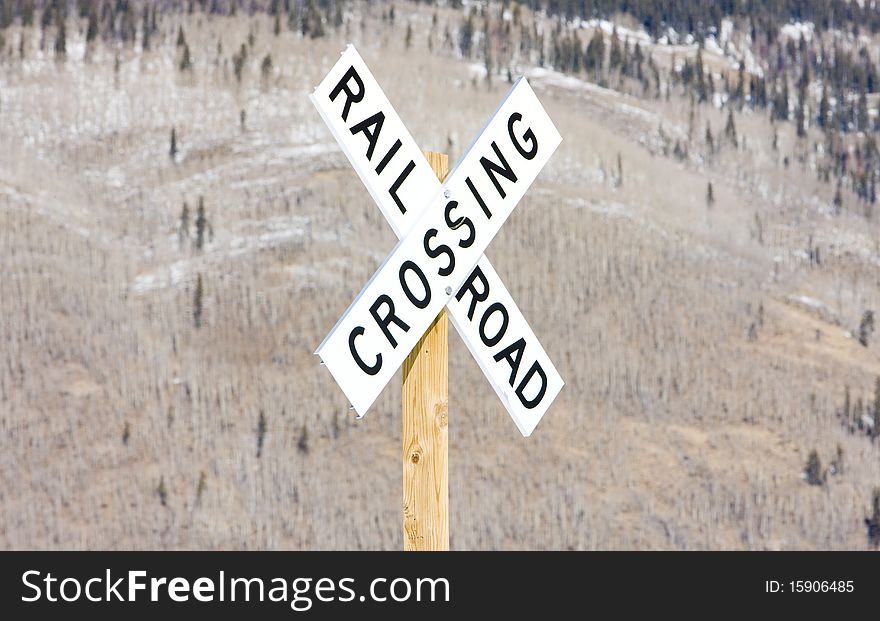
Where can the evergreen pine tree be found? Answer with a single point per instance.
(261, 433)
(61, 33)
(466, 36)
(238, 61)
(840, 115)
(145, 37)
(313, 22)
(201, 223)
(162, 492)
(739, 95)
(824, 108)
(730, 128)
(700, 76)
(862, 119)
(800, 117)
(183, 229)
(638, 59)
(185, 59)
(5, 14)
(173, 150)
(336, 429)
(813, 472)
(27, 13)
(875, 431)
(127, 29)
(866, 327)
(303, 443)
(92, 28)
(780, 105)
(710, 195)
(594, 55)
(802, 120)
(691, 118)
(197, 303)
(838, 198)
(46, 17)
(837, 462)
(615, 56)
(337, 14)
(873, 521)
(489, 68)
(201, 487)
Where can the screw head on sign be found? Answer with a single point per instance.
(446, 194)
(448, 290)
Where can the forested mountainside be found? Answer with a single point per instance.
(179, 230)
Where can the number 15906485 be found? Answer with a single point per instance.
(809, 586)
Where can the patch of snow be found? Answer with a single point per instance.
(711, 45)
(77, 48)
(807, 301)
(144, 283)
(116, 177)
(797, 30)
(614, 210)
(816, 306)
(252, 236)
(477, 71)
(623, 33)
(726, 33)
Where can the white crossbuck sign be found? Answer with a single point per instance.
(443, 230)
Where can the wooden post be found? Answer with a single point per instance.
(425, 440)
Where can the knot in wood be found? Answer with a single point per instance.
(441, 415)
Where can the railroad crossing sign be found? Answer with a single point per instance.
(443, 231)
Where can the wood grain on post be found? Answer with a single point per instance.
(425, 439)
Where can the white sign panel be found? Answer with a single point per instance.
(503, 344)
(439, 252)
(350, 90)
(375, 141)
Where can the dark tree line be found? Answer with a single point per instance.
(703, 17)
(822, 83)
(125, 20)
